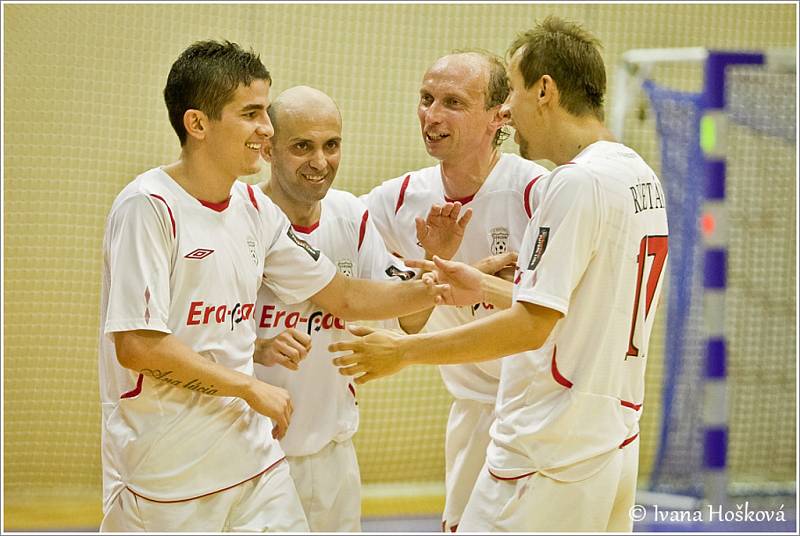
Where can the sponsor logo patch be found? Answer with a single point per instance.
(394, 271)
(538, 249)
(314, 253)
(199, 253)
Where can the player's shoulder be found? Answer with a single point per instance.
(516, 173)
(152, 184)
(343, 203)
(423, 178)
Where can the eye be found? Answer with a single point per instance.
(301, 145)
(425, 99)
(332, 144)
(453, 102)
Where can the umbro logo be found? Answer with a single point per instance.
(199, 254)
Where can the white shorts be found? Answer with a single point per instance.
(465, 454)
(536, 503)
(267, 503)
(329, 485)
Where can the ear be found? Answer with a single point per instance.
(547, 90)
(501, 116)
(196, 123)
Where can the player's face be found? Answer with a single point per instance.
(452, 108)
(305, 153)
(235, 140)
(522, 106)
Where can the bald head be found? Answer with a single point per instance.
(485, 68)
(303, 103)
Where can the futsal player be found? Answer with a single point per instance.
(461, 122)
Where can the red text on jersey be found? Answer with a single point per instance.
(272, 317)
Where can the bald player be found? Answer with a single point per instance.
(461, 122)
(304, 157)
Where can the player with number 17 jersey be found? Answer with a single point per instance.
(566, 407)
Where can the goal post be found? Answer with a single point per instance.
(728, 165)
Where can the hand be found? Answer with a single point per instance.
(458, 283)
(273, 402)
(286, 349)
(441, 232)
(376, 354)
(503, 265)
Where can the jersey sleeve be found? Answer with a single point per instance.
(293, 269)
(381, 203)
(138, 256)
(560, 240)
(374, 260)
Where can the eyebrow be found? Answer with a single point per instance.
(254, 106)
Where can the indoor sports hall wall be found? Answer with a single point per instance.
(84, 114)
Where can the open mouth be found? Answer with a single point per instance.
(253, 146)
(433, 138)
(315, 179)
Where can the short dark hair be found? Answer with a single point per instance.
(497, 89)
(205, 76)
(571, 56)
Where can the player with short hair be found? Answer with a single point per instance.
(187, 442)
(564, 449)
(462, 126)
(304, 156)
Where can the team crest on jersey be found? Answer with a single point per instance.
(539, 247)
(251, 244)
(499, 240)
(314, 253)
(345, 267)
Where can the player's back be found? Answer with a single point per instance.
(595, 251)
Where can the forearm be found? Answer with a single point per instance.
(164, 357)
(414, 322)
(497, 291)
(517, 329)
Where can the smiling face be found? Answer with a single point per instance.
(306, 149)
(452, 107)
(235, 140)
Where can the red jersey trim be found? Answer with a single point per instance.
(363, 230)
(352, 389)
(217, 207)
(209, 493)
(527, 196)
(628, 441)
(557, 375)
(305, 230)
(634, 407)
(463, 200)
(136, 390)
(171, 217)
(508, 478)
(401, 197)
(252, 195)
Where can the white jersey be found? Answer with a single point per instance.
(176, 265)
(501, 211)
(325, 407)
(594, 251)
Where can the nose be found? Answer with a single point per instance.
(317, 161)
(432, 113)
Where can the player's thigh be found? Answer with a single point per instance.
(123, 515)
(131, 513)
(337, 490)
(620, 520)
(465, 453)
(489, 501)
(269, 504)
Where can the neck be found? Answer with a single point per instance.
(201, 179)
(463, 178)
(574, 134)
(300, 214)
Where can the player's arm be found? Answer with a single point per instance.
(154, 353)
(440, 234)
(378, 353)
(362, 299)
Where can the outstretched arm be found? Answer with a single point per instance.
(378, 353)
(156, 354)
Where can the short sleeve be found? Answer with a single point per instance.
(374, 260)
(293, 269)
(560, 240)
(138, 256)
(381, 202)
